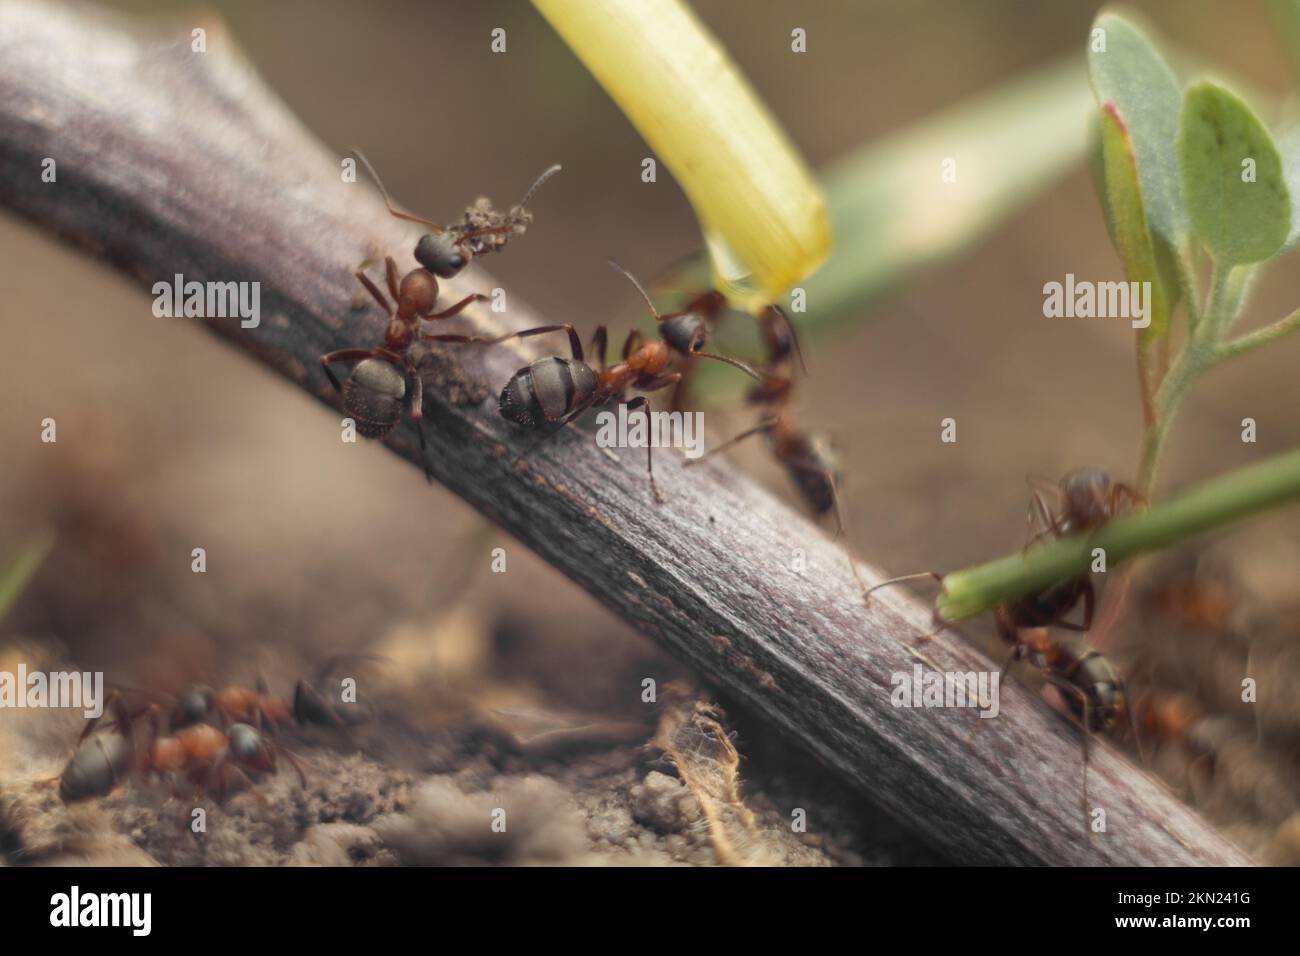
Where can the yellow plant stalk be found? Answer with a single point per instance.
(762, 214)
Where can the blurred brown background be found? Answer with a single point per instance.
(170, 440)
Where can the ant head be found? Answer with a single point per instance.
(193, 706)
(685, 332)
(443, 253)
(245, 742)
(1087, 497)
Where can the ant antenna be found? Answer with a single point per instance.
(538, 184)
(730, 361)
(631, 278)
(387, 200)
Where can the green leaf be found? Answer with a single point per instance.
(1289, 146)
(1126, 69)
(893, 214)
(1127, 219)
(1241, 214)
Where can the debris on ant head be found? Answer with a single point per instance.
(448, 249)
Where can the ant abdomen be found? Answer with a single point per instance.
(1094, 680)
(374, 395)
(546, 391)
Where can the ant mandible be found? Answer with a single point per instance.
(551, 392)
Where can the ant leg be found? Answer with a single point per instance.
(374, 291)
(599, 347)
(342, 355)
(794, 335)
(390, 274)
(1047, 525)
(293, 762)
(730, 361)
(114, 701)
(1084, 724)
(1089, 607)
(760, 427)
(898, 580)
(643, 403)
(458, 307)
(575, 344)
(631, 343)
(417, 415)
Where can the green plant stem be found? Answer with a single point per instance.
(1209, 505)
(1201, 352)
(1253, 340)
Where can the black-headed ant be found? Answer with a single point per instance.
(385, 380)
(552, 392)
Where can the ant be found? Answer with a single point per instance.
(204, 753)
(807, 457)
(551, 392)
(1087, 681)
(385, 380)
(235, 704)
(703, 311)
(449, 249)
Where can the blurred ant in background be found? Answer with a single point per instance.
(210, 737)
(203, 754)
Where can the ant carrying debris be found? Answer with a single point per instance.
(1086, 680)
(385, 381)
(203, 754)
(551, 392)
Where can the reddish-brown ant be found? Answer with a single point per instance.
(448, 249)
(702, 313)
(385, 379)
(266, 711)
(807, 457)
(205, 754)
(1086, 680)
(551, 392)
